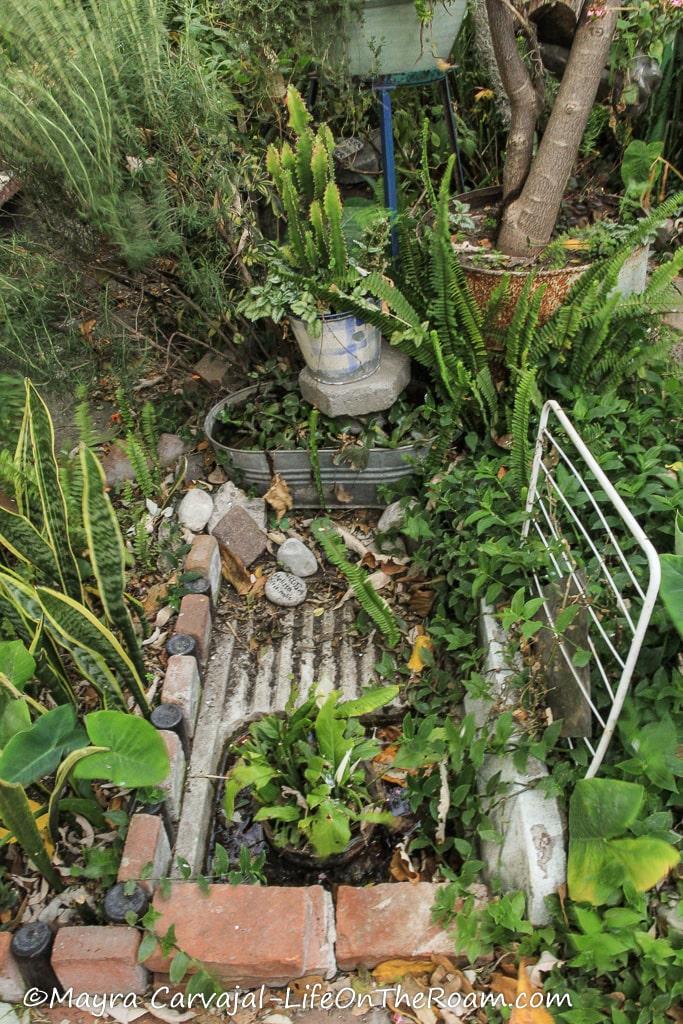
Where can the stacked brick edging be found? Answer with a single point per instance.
(248, 936)
(245, 935)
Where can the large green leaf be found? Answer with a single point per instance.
(52, 500)
(671, 590)
(243, 776)
(20, 536)
(75, 625)
(105, 545)
(14, 713)
(31, 755)
(370, 700)
(329, 829)
(329, 731)
(16, 663)
(601, 859)
(136, 754)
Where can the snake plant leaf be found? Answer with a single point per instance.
(23, 598)
(671, 589)
(21, 538)
(31, 755)
(52, 500)
(136, 754)
(105, 545)
(601, 857)
(16, 663)
(17, 816)
(76, 626)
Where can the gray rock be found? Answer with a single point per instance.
(228, 496)
(169, 449)
(196, 468)
(672, 917)
(285, 589)
(392, 518)
(297, 558)
(239, 534)
(117, 466)
(212, 369)
(357, 398)
(195, 509)
(394, 546)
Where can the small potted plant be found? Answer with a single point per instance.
(324, 247)
(308, 775)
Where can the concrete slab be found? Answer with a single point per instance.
(532, 855)
(358, 398)
(247, 677)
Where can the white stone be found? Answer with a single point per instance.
(174, 782)
(297, 558)
(360, 397)
(228, 495)
(532, 855)
(285, 589)
(195, 510)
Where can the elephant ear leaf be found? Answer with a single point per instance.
(136, 754)
(52, 500)
(16, 663)
(34, 753)
(601, 858)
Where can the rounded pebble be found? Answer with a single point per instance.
(285, 589)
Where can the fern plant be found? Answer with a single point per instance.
(370, 601)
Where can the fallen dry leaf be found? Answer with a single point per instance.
(87, 327)
(546, 962)
(392, 971)
(341, 494)
(502, 985)
(235, 572)
(528, 1014)
(421, 601)
(279, 496)
(402, 868)
(422, 643)
(154, 598)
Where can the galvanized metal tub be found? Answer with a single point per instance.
(255, 468)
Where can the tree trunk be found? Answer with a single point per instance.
(483, 45)
(528, 222)
(556, 19)
(522, 96)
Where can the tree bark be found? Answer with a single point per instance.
(524, 105)
(528, 221)
(483, 45)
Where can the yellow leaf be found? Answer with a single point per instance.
(392, 971)
(422, 643)
(279, 497)
(483, 94)
(525, 1014)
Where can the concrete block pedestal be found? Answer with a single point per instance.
(358, 398)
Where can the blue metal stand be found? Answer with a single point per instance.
(384, 87)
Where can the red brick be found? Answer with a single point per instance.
(383, 922)
(204, 557)
(12, 985)
(195, 619)
(241, 535)
(99, 960)
(182, 686)
(146, 843)
(250, 934)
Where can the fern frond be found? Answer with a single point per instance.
(370, 601)
(520, 427)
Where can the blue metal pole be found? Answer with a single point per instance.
(388, 162)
